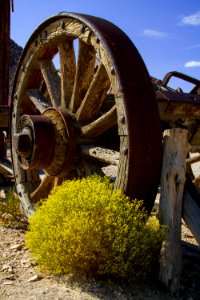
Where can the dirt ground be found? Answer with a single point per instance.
(20, 278)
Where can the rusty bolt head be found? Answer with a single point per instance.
(125, 150)
(112, 70)
(122, 119)
(22, 144)
(83, 28)
(62, 24)
(97, 39)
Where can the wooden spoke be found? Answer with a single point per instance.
(5, 167)
(91, 168)
(52, 81)
(43, 189)
(84, 74)
(38, 100)
(193, 160)
(106, 156)
(95, 95)
(67, 71)
(100, 125)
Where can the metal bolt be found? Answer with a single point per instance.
(122, 119)
(112, 70)
(62, 24)
(125, 150)
(45, 33)
(97, 39)
(83, 29)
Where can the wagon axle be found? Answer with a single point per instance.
(41, 138)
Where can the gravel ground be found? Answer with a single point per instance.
(20, 278)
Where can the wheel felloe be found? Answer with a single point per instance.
(99, 101)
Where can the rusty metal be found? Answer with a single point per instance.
(179, 75)
(34, 142)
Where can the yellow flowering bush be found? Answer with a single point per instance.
(10, 211)
(87, 227)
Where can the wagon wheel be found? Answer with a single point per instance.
(93, 109)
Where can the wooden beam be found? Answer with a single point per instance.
(4, 51)
(191, 209)
(172, 186)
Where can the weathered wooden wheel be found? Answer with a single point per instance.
(93, 109)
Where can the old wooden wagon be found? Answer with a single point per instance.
(83, 103)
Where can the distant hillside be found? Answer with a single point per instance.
(15, 53)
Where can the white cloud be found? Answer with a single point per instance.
(193, 47)
(192, 63)
(153, 33)
(191, 20)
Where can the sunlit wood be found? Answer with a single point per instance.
(84, 74)
(95, 95)
(52, 81)
(106, 156)
(43, 189)
(100, 125)
(67, 71)
(38, 99)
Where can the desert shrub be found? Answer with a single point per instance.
(87, 227)
(10, 211)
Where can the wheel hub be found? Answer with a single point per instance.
(45, 142)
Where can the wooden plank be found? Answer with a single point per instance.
(172, 185)
(4, 51)
(191, 209)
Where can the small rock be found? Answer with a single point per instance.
(8, 282)
(7, 268)
(34, 278)
(17, 246)
(26, 265)
(10, 277)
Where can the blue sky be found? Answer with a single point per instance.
(166, 33)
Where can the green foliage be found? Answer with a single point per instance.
(10, 211)
(87, 227)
